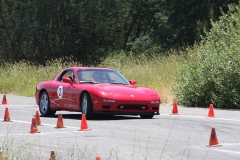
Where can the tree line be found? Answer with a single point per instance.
(87, 30)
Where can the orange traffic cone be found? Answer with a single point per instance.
(7, 116)
(37, 118)
(98, 158)
(213, 139)
(4, 100)
(211, 112)
(34, 128)
(175, 109)
(52, 155)
(60, 123)
(84, 125)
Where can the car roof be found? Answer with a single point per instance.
(86, 68)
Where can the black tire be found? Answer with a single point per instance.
(86, 105)
(44, 105)
(146, 116)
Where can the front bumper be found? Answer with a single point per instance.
(126, 113)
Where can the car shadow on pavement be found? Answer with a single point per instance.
(98, 117)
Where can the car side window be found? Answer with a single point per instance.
(68, 74)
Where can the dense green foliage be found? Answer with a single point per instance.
(126, 35)
(88, 30)
(187, 20)
(212, 74)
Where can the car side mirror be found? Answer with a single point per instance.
(132, 81)
(67, 80)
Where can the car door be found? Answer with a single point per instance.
(62, 92)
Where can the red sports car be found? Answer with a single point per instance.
(95, 91)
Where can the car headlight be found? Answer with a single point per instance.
(109, 100)
(155, 102)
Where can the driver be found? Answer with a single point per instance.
(100, 77)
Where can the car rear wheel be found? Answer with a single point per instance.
(86, 105)
(44, 105)
(146, 116)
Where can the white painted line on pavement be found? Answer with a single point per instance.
(216, 148)
(227, 151)
(46, 133)
(43, 124)
(18, 105)
(229, 144)
(216, 118)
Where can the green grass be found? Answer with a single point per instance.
(21, 78)
(156, 72)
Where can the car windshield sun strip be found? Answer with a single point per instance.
(88, 82)
(116, 83)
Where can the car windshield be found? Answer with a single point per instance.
(101, 76)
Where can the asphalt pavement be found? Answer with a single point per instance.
(168, 136)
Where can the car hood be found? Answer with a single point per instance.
(126, 89)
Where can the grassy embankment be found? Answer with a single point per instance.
(156, 72)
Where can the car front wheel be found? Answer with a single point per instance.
(44, 105)
(86, 105)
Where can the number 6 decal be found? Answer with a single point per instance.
(60, 91)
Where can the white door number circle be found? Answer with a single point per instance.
(60, 91)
